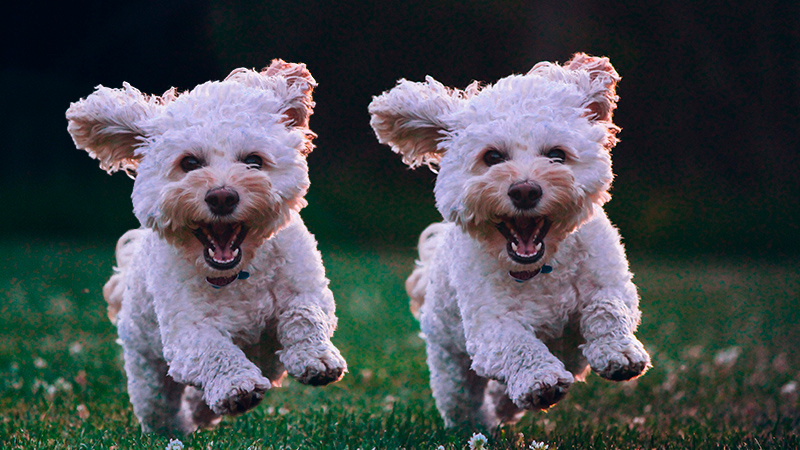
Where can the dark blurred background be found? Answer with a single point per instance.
(708, 161)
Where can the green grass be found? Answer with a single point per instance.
(62, 384)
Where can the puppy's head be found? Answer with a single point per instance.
(521, 163)
(218, 169)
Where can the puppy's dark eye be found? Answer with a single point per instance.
(190, 163)
(493, 156)
(253, 161)
(556, 155)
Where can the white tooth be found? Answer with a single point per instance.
(514, 246)
(211, 252)
(235, 252)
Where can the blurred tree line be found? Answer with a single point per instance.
(709, 105)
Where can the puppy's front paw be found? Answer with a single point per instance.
(617, 359)
(237, 395)
(315, 364)
(540, 389)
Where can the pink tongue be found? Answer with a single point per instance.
(526, 236)
(223, 235)
(526, 247)
(223, 254)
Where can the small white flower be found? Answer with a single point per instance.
(83, 411)
(75, 348)
(727, 358)
(63, 385)
(366, 374)
(39, 363)
(174, 444)
(536, 445)
(441, 447)
(388, 402)
(38, 384)
(789, 388)
(478, 442)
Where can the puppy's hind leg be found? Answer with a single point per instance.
(498, 409)
(195, 413)
(155, 396)
(457, 389)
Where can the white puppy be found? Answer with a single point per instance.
(526, 283)
(222, 290)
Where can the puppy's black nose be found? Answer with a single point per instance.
(525, 194)
(222, 201)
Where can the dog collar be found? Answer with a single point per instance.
(525, 275)
(221, 282)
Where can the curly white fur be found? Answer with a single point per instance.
(524, 168)
(220, 174)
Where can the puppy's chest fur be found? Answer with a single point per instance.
(244, 309)
(549, 303)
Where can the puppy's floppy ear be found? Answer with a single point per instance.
(602, 96)
(410, 118)
(293, 84)
(300, 84)
(107, 124)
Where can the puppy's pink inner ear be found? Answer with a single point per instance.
(308, 145)
(600, 111)
(597, 67)
(296, 117)
(594, 65)
(300, 111)
(289, 71)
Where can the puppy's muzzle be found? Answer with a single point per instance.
(525, 194)
(222, 201)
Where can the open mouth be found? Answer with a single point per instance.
(221, 242)
(525, 236)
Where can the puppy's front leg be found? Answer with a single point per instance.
(607, 324)
(505, 349)
(308, 354)
(306, 312)
(201, 355)
(610, 308)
